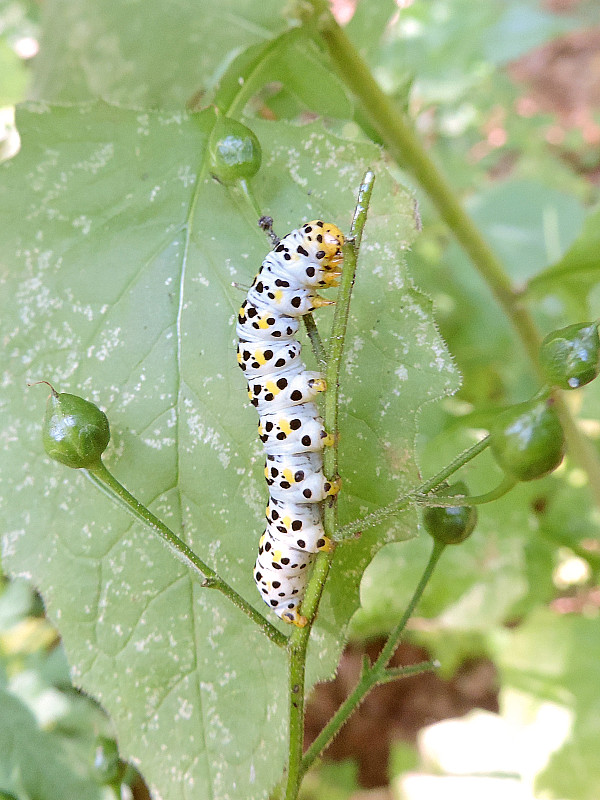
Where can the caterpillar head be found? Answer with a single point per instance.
(331, 239)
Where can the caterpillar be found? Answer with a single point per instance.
(283, 392)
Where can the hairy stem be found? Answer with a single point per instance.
(115, 491)
(395, 673)
(377, 673)
(315, 341)
(299, 639)
(452, 501)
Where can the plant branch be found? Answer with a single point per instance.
(115, 491)
(396, 673)
(445, 501)
(315, 341)
(377, 673)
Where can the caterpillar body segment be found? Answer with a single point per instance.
(260, 324)
(297, 478)
(282, 390)
(257, 358)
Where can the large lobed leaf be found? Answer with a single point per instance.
(118, 253)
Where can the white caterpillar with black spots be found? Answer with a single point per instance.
(290, 428)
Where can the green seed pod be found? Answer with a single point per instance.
(570, 357)
(527, 440)
(107, 765)
(454, 524)
(235, 152)
(75, 431)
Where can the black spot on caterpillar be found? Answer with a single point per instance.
(282, 390)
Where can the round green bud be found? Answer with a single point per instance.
(453, 524)
(107, 764)
(235, 152)
(75, 431)
(570, 357)
(527, 440)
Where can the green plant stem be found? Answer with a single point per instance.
(395, 673)
(110, 486)
(315, 341)
(457, 462)
(374, 674)
(451, 501)
(297, 662)
(381, 514)
(405, 147)
(299, 639)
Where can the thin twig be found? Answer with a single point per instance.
(315, 341)
(453, 501)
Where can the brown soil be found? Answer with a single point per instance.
(563, 78)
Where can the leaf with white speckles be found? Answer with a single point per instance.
(117, 255)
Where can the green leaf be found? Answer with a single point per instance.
(16, 600)
(118, 252)
(472, 323)
(475, 586)
(368, 24)
(453, 46)
(155, 55)
(571, 519)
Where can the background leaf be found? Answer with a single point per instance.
(98, 212)
(48, 731)
(527, 224)
(260, 66)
